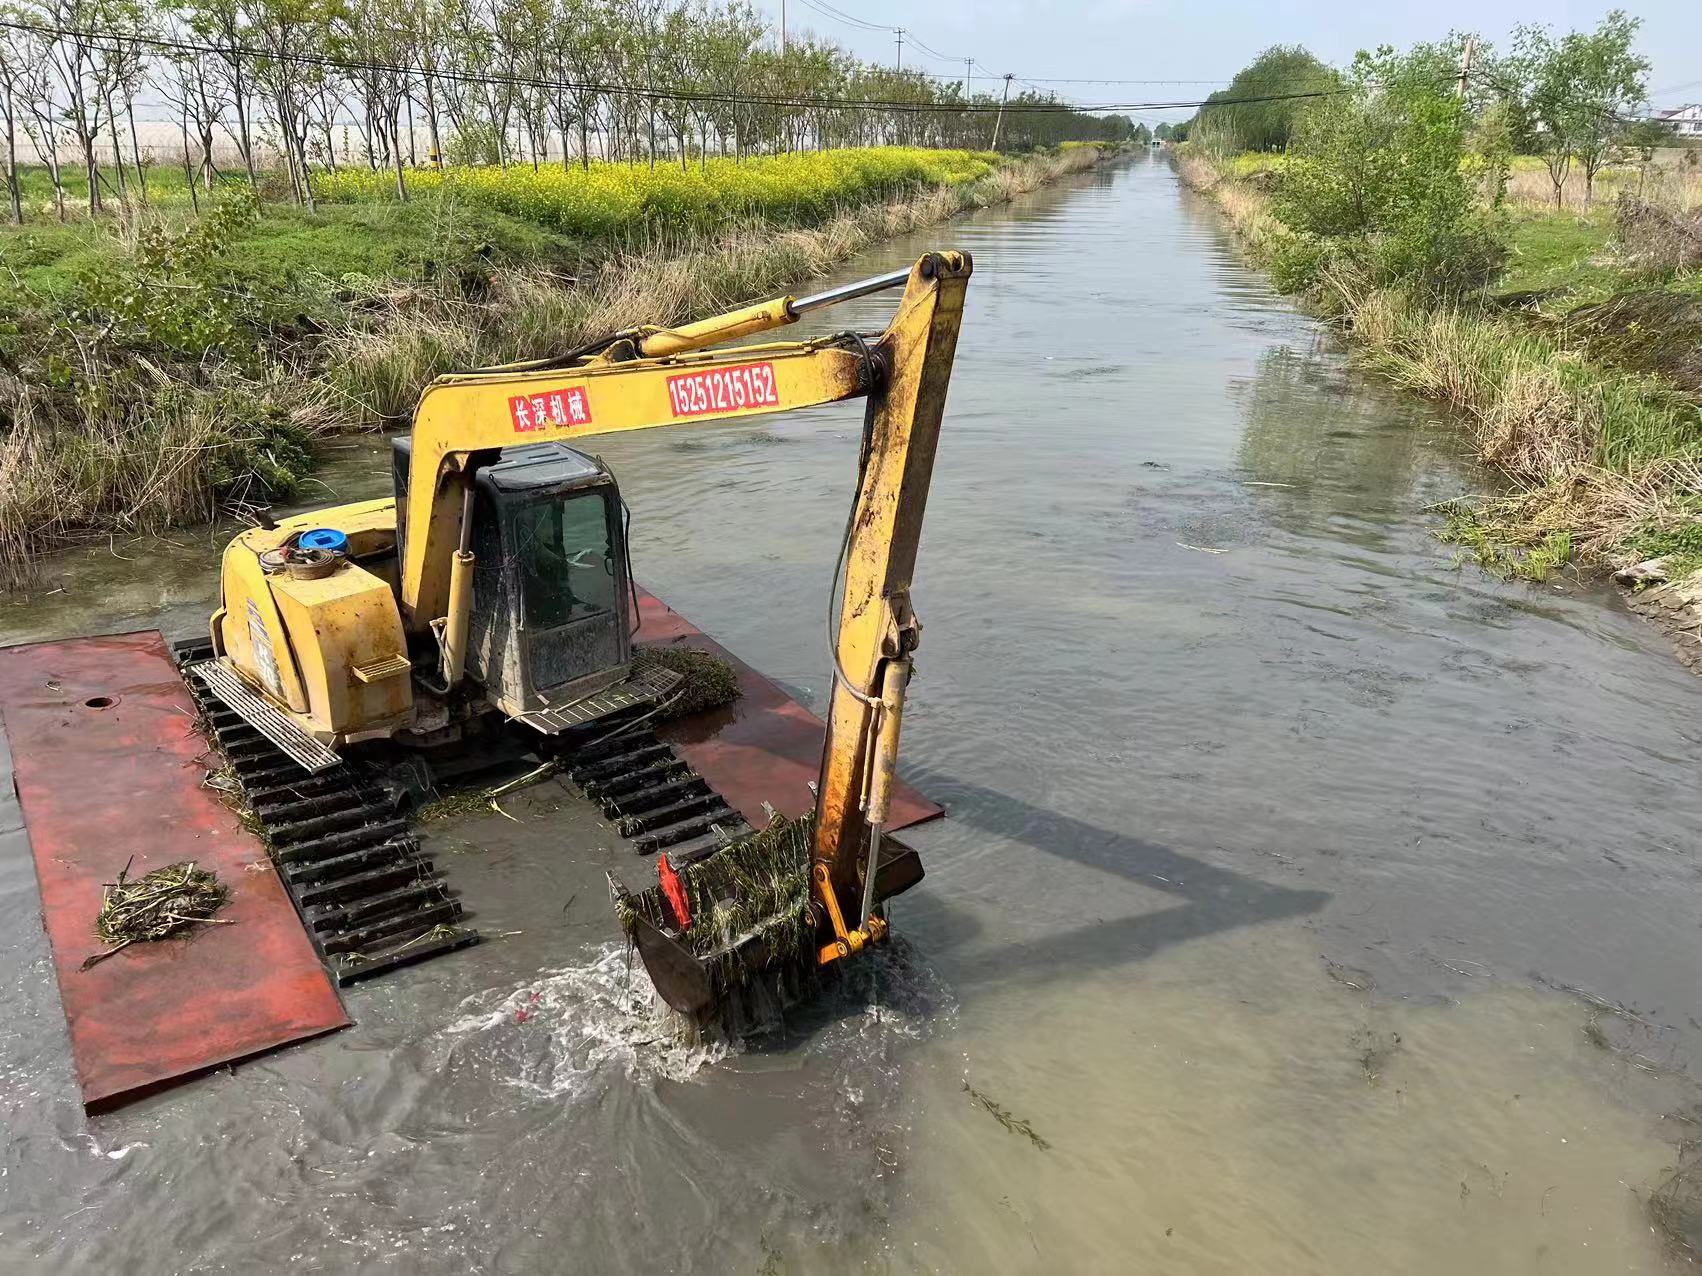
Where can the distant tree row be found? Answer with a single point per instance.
(1572, 99)
(485, 81)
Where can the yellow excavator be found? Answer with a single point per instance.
(495, 586)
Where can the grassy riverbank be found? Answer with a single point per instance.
(1573, 368)
(161, 367)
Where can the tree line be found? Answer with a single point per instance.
(1572, 99)
(458, 82)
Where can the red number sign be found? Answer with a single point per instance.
(714, 390)
(547, 409)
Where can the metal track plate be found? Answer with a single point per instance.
(645, 687)
(236, 695)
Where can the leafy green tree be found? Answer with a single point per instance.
(1577, 88)
(1257, 112)
(1648, 135)
(1376, 182)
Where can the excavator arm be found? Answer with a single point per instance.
(649, 378)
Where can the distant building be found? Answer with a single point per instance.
(1686, 121)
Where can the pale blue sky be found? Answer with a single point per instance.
(1212, 39)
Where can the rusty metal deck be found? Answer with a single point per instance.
(107, 766)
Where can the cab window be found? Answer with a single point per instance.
(567, 566)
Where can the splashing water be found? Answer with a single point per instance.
(553, 1035)
(568, 1025)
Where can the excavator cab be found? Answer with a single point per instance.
(551, 617)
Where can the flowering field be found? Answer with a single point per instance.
(607, 200)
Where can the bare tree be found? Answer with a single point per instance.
(229, 79)
(16, 87)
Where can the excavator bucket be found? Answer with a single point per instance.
(731, 930)
(734, 936)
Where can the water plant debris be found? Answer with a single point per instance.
(707, 681)
(757, 888)
(157, 905)
(1003, 1115)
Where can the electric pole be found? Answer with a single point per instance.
(899, 64)
(1466, 63)
(782, 28)
(968, 66)
(999, 119)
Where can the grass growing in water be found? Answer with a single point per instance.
(1485, 542)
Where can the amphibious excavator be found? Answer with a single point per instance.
(495, 587)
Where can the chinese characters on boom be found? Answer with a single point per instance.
(549, 408)
(748, 385)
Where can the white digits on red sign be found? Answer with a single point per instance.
(723, 390)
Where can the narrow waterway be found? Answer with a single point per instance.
(1306, 903)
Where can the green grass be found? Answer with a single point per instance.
(288, 246)
(1681, 546)
(1483, 539)
(1564, 257)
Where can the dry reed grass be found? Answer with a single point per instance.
(1670, 180)
(198, 452)
(1597, 455)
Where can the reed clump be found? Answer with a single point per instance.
(706, 681)
(168, 901)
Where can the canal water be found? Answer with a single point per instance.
(1307, 902)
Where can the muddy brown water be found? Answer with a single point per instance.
(1288, 868)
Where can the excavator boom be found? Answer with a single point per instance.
(905, 373)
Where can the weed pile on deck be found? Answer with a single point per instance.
(707, 681)
(157, 905)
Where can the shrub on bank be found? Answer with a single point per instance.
(1375, 186)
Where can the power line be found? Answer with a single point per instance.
(828, 11)
(835, 12)
(929, 49)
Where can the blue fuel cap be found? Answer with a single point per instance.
(328, 538)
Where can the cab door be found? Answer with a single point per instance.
(567, 556)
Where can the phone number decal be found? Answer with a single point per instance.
(748, 385)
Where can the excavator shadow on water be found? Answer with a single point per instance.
(1214, 899)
